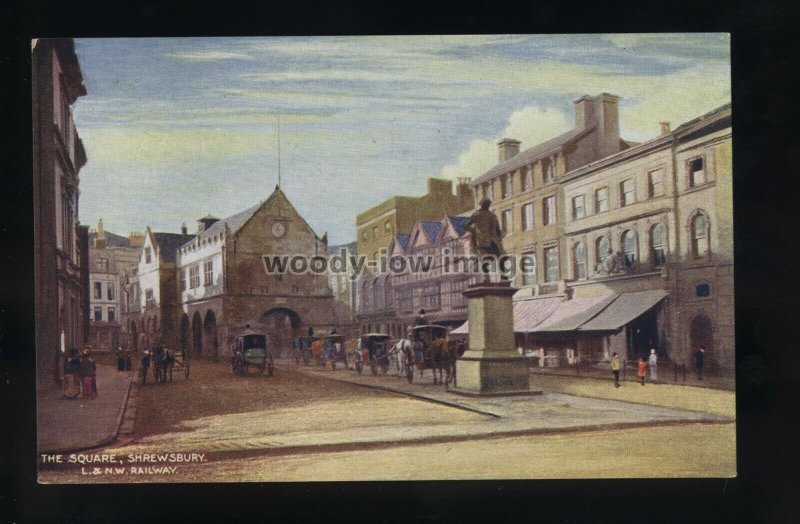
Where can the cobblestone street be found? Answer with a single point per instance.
(308, 423)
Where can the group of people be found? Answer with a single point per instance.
(80, 375)
(651, 363)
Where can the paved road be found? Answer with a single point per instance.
(313, 425)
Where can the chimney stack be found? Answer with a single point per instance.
(184, 231)
(206, 222)
(100, 240)
(665, 127)
(601, 110)
(507, 148)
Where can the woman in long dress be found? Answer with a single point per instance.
(72, 365)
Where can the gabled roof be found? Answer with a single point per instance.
(234, 222)
(168, 244)
(535, 153)
(403, 239)
(112, 240)
(431, 228)
(459, 224)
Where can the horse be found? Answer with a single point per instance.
(163, 361)
(401, 354)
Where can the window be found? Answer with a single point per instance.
(578, 207)
(547, 171)
(364, 235)
(579, 260)
(527, 217)
(699, 236)
(147, 255)
(602, 247)
(626, 192)
(506, 187)
(387, 226)
(657, 248)
(507, 222)
(529, 277)
(98, 314)
(194, 277)
(182, 280)
(102, 264)
(549, 210)
(551, 264)
(629, 248)
(374, 232)
(488, 191)
(149, 299)
(112, 314)
(526, 178)
(110, 290)
(697, 174)
(601, 200)
(655, 183)
(702, 290)
(98, 290)
(208, 273)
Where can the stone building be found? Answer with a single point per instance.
(111, 258)
(223, 284)
(344, 288)
(389, 302)
(153, 315)
(525, 187)
(647, 254)
(60, 243)
(376, 227)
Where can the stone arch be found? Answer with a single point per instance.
(197, 333)
(281, 325)
(210, 343)
(185, 333)
(693, 224)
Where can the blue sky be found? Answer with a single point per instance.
(176, 128)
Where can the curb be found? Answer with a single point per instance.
(609, 379)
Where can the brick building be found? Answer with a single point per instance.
(60, 243)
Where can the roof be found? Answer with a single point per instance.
(459, 223)
(534, 153)
(571, 314)
(403, 239)
(527, 314)
(234, 222)
(431, 228)
(625, 308)
(112, 240)
(168, 244)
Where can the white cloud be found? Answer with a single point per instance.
(530, 125)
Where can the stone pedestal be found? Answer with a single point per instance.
(492, 365)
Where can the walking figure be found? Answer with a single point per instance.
(699, 361)
(652, 363)
(641, 370)
(615, 368)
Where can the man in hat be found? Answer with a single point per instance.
(485, 235)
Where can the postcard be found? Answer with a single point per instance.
(275, 259)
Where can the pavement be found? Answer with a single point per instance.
(65, 425)
(666, 374)
(348, 424)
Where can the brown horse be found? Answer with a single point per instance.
(436, 357)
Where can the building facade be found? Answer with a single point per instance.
(376, 227)
(343, 287)
(60, 243)
(111, 258)
(223, 285)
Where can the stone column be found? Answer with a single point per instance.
(492, 365)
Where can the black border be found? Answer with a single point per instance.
(764, 52)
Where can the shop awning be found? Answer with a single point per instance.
(625, 308)
(571, 314)
(527, 314)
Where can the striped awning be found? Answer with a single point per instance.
(625, 308)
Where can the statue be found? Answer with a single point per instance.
(486, 237)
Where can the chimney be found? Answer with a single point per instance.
(601, 110)
(100, 240)
(206, 222)
(584, 112)
(507, 148)
(463, 191)
(184, 231)
(665, 127)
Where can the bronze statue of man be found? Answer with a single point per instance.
(486, 237)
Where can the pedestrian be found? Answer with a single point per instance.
(699, 361)
(615, 368)
(120, 359)
(421, 319)
(72, 367)
(88, 372)
(641, 370)
(310, 331)
(145, 366)
(652, 363)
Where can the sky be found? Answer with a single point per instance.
(177, 128)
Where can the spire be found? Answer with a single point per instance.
(279, 152)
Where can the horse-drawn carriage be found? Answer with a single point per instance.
(430, 348)
(164, 363)
(251, 349)
(372, 350)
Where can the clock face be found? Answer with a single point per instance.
(278, 229)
